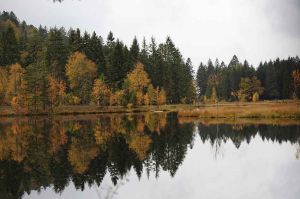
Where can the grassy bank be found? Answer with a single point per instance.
(266, 109)
(88, 109)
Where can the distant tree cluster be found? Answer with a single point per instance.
(47, 68)
(240, 81)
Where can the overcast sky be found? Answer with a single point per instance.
(252, 29)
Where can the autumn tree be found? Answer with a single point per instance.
(117, 98)
(3, 83)
(16, 76)
(214, 81)
(150, 96)
(161, 96)
(140, 144)
(255, 97)
(138, 78)
(138, 82)
(101, 92)
(81, 73)
(248, 88)
(16, 88)
(56, 91)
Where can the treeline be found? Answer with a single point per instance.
(241, 81)
(42, 68)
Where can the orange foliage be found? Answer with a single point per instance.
(101, 93)
(140, 144)
(138, 78)
(15, 79)
(78, 68)
(56, 91)
(3, 83)
(161, 97)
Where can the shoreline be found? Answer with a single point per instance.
(285, 109)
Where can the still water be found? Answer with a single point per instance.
(147, 156)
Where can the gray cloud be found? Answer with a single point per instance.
(253, 29)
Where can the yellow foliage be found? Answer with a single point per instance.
(140, 126)
(78, 67)
(140, 144)
(15, 79)
(161, 97)
(146, 99)
(151, 94)
(129, 105)
(3, 83)
(16, 89)
(214, 97)
(139, 98)
(73, 100)
(102, 135)
(138, 78)
(248, 87)
(255, 97)
(56, 91)
(101, 93)
(58, 136)
(14, 142)
(116, 98)
(80, 156)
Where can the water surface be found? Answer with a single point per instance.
(146, 156)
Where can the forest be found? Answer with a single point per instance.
(43, 68)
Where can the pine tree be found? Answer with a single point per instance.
(271, 82)
(56, 53)
(37, 83)
(116, 70)
(9, 49)
(133, 54)
(202, 79)
(75, 42)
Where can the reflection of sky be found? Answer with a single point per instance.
(262, 169)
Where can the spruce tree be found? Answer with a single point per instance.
(9, 47)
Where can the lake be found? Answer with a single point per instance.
(147, 156)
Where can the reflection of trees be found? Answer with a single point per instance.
(170, 146)
(38, 153)
(14, 141)
(241, 133)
